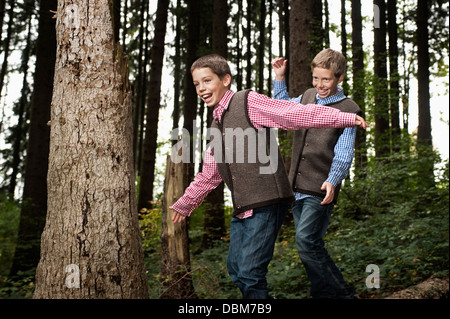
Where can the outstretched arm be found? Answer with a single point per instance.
(266, 112)
(204, 182)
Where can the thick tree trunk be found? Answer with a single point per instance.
(91, 244)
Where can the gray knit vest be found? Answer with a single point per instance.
(313, 151)
(248, 159)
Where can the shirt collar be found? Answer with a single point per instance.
(223, 104)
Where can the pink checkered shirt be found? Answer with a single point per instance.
(263, 112)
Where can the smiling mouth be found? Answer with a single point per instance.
(207, 97)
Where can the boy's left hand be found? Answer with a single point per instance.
(330, 193)
(279, 68)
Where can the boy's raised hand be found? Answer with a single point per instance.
(279, 67)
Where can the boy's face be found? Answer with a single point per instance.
(325, 82)
(209, 86)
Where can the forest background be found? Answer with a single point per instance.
(393, 211)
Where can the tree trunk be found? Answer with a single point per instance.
(177, 70)
(190, 95)
(424, 138)
(423, 74)
(359, 85)
(262, 46)
(214, 221)
(344, 84)
(394, 78)
(34, 204)
(22, 111)
(301, 52)
(6, 45)
(153, 106)
(91, 244)
(249, 53)
(304, 24)
(381, 105)
(139, 88)
(175, 264)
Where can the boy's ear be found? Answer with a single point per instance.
(226, 80)
(341, 78)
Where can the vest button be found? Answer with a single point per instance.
(238, 206)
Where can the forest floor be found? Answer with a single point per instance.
(432, 288)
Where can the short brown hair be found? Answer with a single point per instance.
(218, 64)
(331, 60)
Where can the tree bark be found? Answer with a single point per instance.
(91, 244)
(175, 263)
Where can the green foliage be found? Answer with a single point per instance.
(9, 223)
(391, 219)
(388, 218)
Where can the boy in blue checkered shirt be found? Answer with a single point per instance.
(320, 161)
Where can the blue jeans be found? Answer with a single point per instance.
(252, 241)
(311, 222)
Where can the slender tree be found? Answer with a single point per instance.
(344, 40)
(381, 102)
(140, 89)
(7, 45)
(153, 106)
(91, 244)
(424, 139)
(359, 84)
(175, 264)
(262, 45)
(248, 36)
(394, 77)
(304, 15)
(214, 222)
(34, 203)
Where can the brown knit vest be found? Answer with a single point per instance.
(313, 151)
